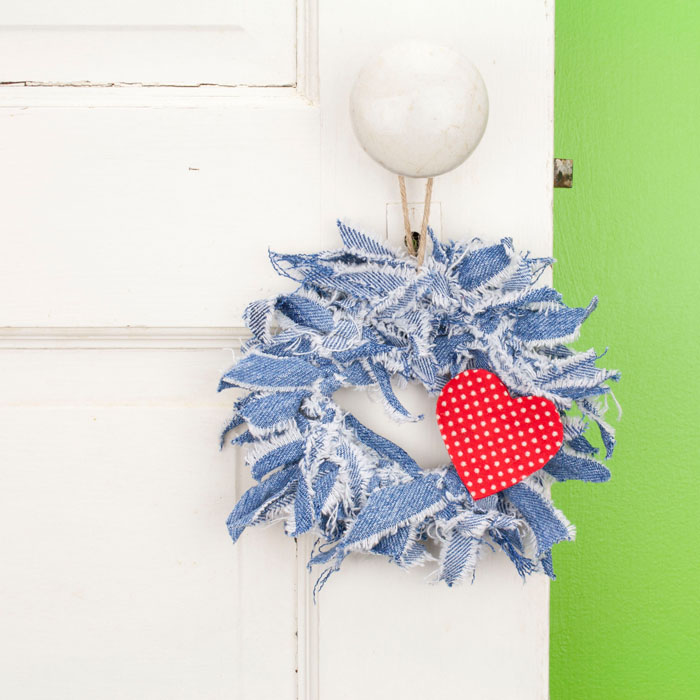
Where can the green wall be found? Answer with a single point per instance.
(625, 610)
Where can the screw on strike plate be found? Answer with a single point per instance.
(563, 172)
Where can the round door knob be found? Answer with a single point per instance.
(419, 109)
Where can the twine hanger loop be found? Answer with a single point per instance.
(417, 250)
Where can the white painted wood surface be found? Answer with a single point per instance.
(135, 229)
(118, 581)
(149, 42)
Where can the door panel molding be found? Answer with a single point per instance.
(122, 338)
(34, 91)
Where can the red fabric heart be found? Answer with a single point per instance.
(494, 440)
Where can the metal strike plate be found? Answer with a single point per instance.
(394, 220)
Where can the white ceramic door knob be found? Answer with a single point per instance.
(419, 109)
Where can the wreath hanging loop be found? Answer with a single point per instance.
(363, 316)
(416, 242)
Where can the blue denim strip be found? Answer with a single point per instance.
(233, 423)
(245, 438)
(258, 371)
(580, 444)
(303, 506)
(565, 466)
(256, 498)
(390, 507)
(482, 265)
(381, 376)
(289, 453)
(258, 316)
(361, 243)
(305, 312)
(363, 315)
(323, 487)
(270, 410)
(551, 326)
(524, 565)
(462, 553)
(547, 523)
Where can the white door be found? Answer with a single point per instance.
(150, 153)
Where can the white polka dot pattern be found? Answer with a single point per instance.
(503, 439)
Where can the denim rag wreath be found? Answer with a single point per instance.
(364, 315)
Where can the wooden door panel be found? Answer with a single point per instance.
(152, 216)
(119, 577)
(151, 42)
